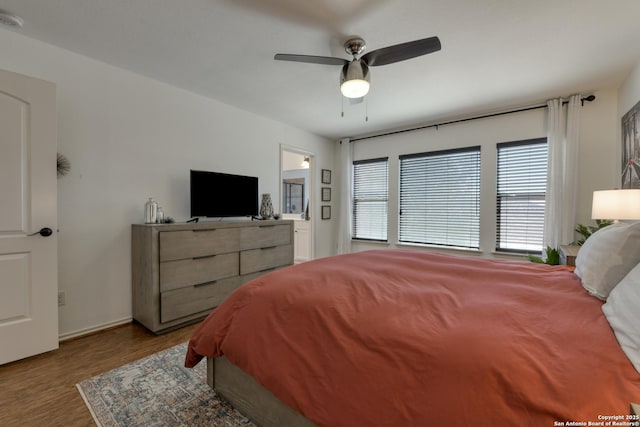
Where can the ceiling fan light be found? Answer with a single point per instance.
(354, 79)
(356, 88)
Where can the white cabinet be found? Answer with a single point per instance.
(301, 241)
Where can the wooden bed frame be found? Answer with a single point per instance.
(250, 398)
(257, 403)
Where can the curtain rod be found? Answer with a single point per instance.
(485, 116)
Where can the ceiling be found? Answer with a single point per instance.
(496, 54)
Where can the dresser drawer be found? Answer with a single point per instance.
(264, 236)
(248, 277)
(265, 258)
(193, 271)
(195, 299)
(196, 243)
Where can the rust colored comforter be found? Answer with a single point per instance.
(407, 338)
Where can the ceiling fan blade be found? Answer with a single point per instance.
(402, 51)
(324, 60)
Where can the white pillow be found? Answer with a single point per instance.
(621, 310)
(607, 256)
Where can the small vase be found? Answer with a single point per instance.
(150, 211)
(266, 209)
(160, 215)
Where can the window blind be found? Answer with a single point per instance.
(440, 198)
(370, 199)
(522, 184)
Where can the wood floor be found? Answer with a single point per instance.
(41, 390)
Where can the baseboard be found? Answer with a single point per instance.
(92, 330)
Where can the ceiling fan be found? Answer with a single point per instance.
(354, 78)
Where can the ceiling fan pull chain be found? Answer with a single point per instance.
(366, 109)
(342, 106)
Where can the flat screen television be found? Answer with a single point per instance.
(215, 194)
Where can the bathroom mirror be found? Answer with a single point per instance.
(295, 183)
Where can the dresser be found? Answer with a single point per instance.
(180, 272)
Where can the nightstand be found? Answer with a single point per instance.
(568, 254)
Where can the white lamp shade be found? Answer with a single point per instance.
(354, 88)
(616, 204)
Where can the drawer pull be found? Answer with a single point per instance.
(204, 229)
(268, 248)
(266, 226)
(200, 285)
(203, 257)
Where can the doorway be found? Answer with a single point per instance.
(296, 196)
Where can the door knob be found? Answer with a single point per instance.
(44, 232)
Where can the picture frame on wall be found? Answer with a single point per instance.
(326, 176)
(630, 174)
(326, 194)
(326, 212)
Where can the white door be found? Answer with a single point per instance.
(28, 203)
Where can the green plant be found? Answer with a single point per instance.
(552, 257)
(587, 231)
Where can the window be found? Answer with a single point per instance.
(440, 198)
(370, 199)
(522, 183)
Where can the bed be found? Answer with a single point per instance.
(401, 337)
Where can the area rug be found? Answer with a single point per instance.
(158, 391)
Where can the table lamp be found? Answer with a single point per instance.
(623, 204)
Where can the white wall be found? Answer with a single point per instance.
(597, 168)
(599, 158)
(127, 138)
(629, 93)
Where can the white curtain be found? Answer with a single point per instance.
(345, 154)
(563, 143)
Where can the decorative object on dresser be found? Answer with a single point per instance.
(266, 209)
(150, 211)
(180, 272)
